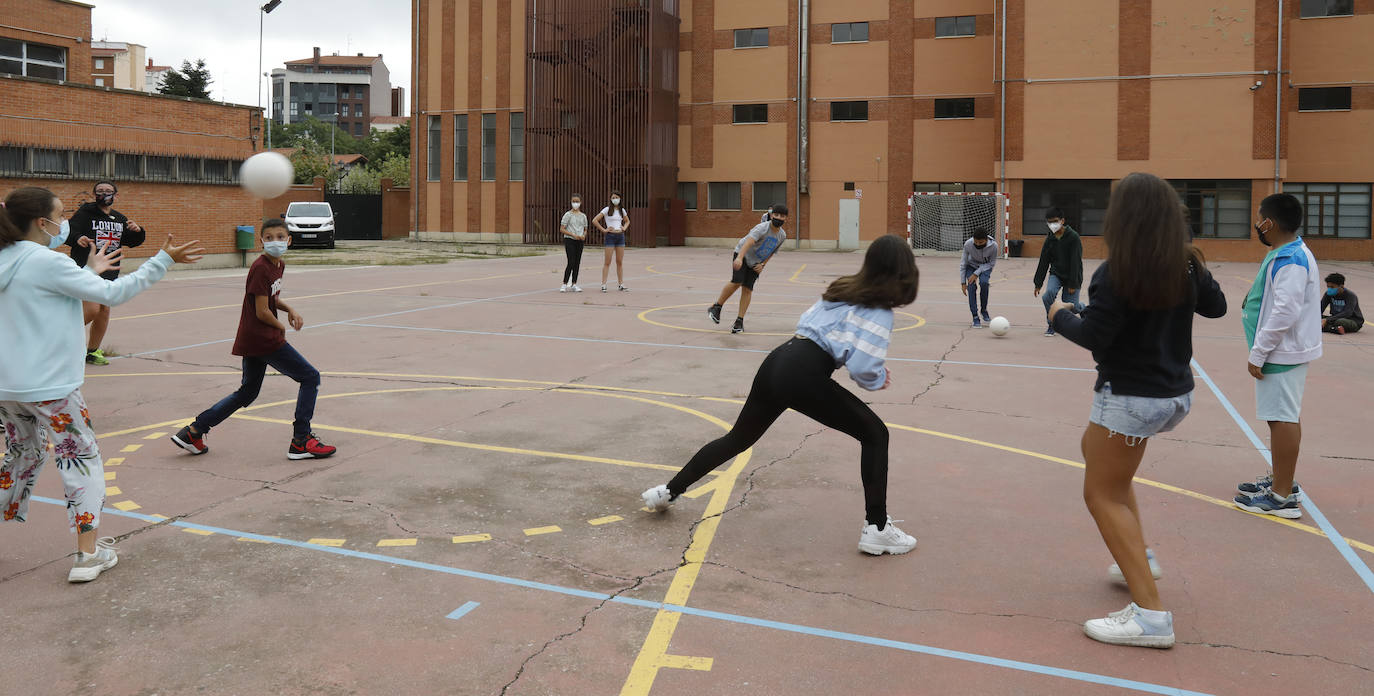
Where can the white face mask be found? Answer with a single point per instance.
(274, 249)
(615, 201)
(576, 205)
(1056, 226)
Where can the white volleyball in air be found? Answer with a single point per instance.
(267, 175)
(1000, 326)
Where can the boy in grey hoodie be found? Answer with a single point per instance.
(975, 272)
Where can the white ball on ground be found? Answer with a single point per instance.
(267, 175)
(1000, 326)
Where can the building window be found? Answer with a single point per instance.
(751, 38)
(488, 147)
(1084, 202)
(460, 147)
(850, 32)
(295, 109)
(357, 129)
(162, 168)
(954, 108)
(952, 187)
(517, 146)
(769, 193)
(51, 161)
(432, 152)
(945, 27)
(1324, 99)
(12, 160)
(1217, 209)
(1334, 210)
(347, 112)
(217, 170)
(687, 191)
(723, 195)
(849, 111)
(32, 59)
(751, 113)
(128, 166)
(1327, 8)
(99, 82)
(99, 63)
(91, 164)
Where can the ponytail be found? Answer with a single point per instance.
(20, 209)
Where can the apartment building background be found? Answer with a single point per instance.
(906, 95)
(119, 64)
(356, 88)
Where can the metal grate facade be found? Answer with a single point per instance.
(601, 103)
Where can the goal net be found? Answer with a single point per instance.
(940, 222)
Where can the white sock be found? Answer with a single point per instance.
(1154, 617)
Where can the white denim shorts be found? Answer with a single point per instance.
(1278, 397)
(1138, 416)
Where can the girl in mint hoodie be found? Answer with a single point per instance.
(42, 341)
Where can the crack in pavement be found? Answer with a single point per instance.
(940, 375)
(1263, 651)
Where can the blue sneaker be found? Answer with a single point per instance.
(1261, 483)
(1265, 503)
(986, 317)
(1132, 626)
(977, 324)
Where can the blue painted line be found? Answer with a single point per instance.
(576, 339)
(462, 611)
(1074, 675)
(1337, 539)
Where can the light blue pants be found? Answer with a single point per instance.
(1052, 287)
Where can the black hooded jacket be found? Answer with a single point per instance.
(105, 229)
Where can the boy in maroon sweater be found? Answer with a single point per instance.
(261, 341)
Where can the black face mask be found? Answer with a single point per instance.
(104, 199)
(776, 222)
(1264, 239)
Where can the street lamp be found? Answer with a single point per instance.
(262, 12)
(332, 164)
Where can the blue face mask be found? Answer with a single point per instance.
(65, 229)
(1332, 291)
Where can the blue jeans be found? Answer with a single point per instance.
(984, 281)
(286, 361)
(1052, 287)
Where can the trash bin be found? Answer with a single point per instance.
(245, 238)
(1014, 247)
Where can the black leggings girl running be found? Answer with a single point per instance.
(796, 375)
(573, 248)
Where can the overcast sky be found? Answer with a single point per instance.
(225, 34)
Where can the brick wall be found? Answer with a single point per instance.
(396, 210)
(54, 23)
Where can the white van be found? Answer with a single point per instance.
(310, 224)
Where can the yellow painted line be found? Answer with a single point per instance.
(797, 275)
(655, 271)
(702, 490)
(112, 491)
(256, 541)
(114, 461)
(155, 436)
(605, 520)
(470, 538)
(160, 517)
(336, 543)
(700, 664)
(131, 448)
(536, 531)
(643, 316)
(331, 294)
(127, 505)
(397, 542)
(201, 532)
(109, 476)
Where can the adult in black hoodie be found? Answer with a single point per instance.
(1139, 328)
(99, 224)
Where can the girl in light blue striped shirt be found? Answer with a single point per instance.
(850, 326)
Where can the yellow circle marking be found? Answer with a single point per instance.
(644, 317)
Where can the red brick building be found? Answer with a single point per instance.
(175, 159)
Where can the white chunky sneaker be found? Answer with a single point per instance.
(1114, 572)
(563, 287)
(657, 498)
(887, 540)
(89, 566)
(576, 288)
(1134, 626)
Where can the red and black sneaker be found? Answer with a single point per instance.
(193, 443)
(309, 447)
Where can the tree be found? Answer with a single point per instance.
(311, 161)
(190, 81)
(360, 180)
(396, 168)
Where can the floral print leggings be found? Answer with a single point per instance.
(28, 427)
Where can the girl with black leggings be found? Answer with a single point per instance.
(574, 229)
(849, 326)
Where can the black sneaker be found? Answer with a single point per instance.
(185, 439)
(739, 326)
(714, 313)
(1261, 484)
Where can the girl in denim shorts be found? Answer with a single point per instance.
(1139, 327)
(614, 223)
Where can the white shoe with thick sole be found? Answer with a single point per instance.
(89, 566)
(657, 499)
(1114, 572)
(889, 539)
(563, 288)
(576, 288)
(1130, 627)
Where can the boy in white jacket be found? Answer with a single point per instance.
(1282, 317)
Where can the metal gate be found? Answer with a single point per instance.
(356, 216)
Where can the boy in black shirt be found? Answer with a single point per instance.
(99, 224)
(1062, 259)
(1345, 314)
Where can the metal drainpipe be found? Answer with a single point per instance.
(415, 118)
(803, 136)
(1278, 107)
(1003, 139)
